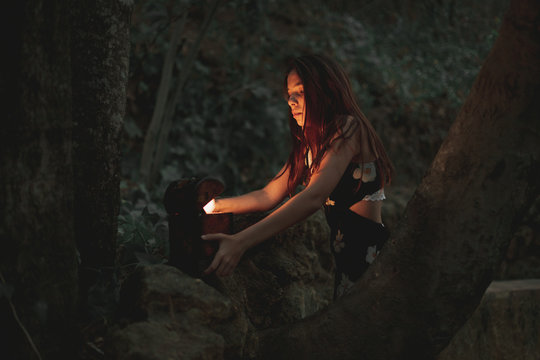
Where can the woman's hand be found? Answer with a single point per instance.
(229, 253)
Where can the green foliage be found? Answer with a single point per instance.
(411, 65)
(142, 229)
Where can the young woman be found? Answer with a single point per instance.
(341, 161)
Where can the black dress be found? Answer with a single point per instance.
(355, 240)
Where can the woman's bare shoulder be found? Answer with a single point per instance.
(346, 134)
(354, 130)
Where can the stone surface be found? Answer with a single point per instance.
(166, 314)
(505, 326)
(286, 278)
(164, 289)
(164, 339)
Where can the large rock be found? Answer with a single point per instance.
(164, 339)
(505, 326)
(287, 277)
(166, 314)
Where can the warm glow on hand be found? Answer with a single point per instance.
(209, 208)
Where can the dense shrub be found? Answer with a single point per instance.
(411, 64)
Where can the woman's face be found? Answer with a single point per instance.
(295, 91)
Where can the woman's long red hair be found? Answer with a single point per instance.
(329, 100)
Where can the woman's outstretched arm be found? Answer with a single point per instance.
(298, 208)
(263, 199)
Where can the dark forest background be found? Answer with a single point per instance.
(204, 97)
(214, 71)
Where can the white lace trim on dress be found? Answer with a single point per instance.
(376, 196)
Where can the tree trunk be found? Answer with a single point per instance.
(431, 275)
(100, 57)
(64, 80)
(38, 256)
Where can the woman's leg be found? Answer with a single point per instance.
(355, 243)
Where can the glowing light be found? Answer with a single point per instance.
(209, 208)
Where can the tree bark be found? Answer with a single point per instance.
(38, 260)
(100, 58)
(431, 275)
(64, 80)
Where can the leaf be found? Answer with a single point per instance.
(152, 217)
(131, 128)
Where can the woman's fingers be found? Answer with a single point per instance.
(214, 265)
(221, 265)
(209, 269)
(217, 259)
(210, 237)
(225, 269)
(227, 256)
